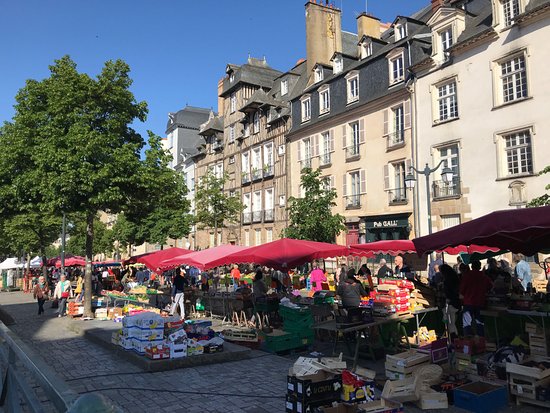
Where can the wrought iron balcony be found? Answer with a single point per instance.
(326, 159)
(398, 196)
(247, 217)
(256, 174)
(269, 171)
(257, 216)
(443, 190)
(352, 153)
(269, 215)
(306, 163)
(245, 178)
(352, 201)
(395, 139)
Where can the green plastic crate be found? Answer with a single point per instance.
(294, 314)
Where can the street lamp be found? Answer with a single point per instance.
(410, 182)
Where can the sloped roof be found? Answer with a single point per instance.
(189, 117)
(212, 125)
(255, 72)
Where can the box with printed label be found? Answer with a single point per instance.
(294, 405)
(316, 387)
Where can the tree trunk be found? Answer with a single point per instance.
(89, 259)
(44, 263)
(28, 262)
(216, 234)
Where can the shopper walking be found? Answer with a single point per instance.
(62, 292)
(178, 290)
(474, 286)
(40, 293)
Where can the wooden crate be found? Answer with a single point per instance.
(525, 386)
(540, 285)
(532, 328)
(430, 399)
(408, 358)
(393, 366)
(407, 390)
(527, 371)
(394, 375)
(538, 344)
(382, 405)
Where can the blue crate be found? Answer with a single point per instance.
(480, 397)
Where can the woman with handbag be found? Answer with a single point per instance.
(40, 292)
(62, 292)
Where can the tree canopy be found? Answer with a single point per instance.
(311, 217)
(544, 199)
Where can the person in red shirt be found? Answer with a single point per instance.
(236, 275)
(474, 286)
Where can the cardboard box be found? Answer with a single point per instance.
(480, 397)
(178, 350)
(340, 408)
(296, 406)
(321, 386)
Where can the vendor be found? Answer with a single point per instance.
(364, 271)
(259, 289)
(384, 271)
(351, 291)
(401, 269)
(317, 277)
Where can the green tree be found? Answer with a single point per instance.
(215, 209)
(127, 233)
(544, 199)
(311, 217)
(103, 237)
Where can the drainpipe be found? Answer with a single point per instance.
(414, 145)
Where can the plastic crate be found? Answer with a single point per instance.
(283, 342)
(294, 314)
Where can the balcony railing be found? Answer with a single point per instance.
(247, 217)
(352, 152)
(326, 159)
(269, 215)
(306, 163)
(396, 139)
(397, 196)
(256, 174)
(443, 190)
(257, 216)
(245, 178)
(217, 146)
(269, 171)
(352, 201)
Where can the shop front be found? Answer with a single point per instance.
(387, 227)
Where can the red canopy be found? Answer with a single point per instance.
(133, 259)
(405, 246)
(391, 247)
(202, 259)
(525, 230)
(73, 261)
(283, 254)
(153, 261)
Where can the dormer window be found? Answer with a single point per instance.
(446, 38)
(400, 31)
(306, 108)
(284, 87)
(231, 77)
(338, 64)
(352, 80)
(396, 63)
(256, 121)
(366, 49)
(319, 75)
(447, 24)
(324, 99)
(510, 9)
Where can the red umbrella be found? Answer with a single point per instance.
(525, 230)
(152, 261)
(391, 247)
(133, 259)
(284, 254)
(202, 259)
(72, 261)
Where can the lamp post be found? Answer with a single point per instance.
(410, 182)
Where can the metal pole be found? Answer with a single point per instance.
(427, 172)
(63, 236)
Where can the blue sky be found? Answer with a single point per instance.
(177, 49)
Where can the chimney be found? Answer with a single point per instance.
(323, 33)
(368, 25)
(220, 99)
(436, 4)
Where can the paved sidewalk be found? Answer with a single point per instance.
(256, 385)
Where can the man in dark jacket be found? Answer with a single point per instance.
(351, 291)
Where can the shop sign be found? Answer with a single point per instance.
(387, 223)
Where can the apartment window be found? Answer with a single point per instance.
(305, 153)
(257, 206)
(353, 88)
(268, 207)
(231, 159)
(232, 134)
(233, 102)
(397, 69)
(218, 170)
(245, 167)
(256, 120)
(518, 150)
(447, 102)
(268, 159)
(338, 64)
(446, 38)
(450, 157)
(319, 75)
(268, 234)
(257, 163)
(306, 109)
(247, 212)
(354, 187)
(513, 78)
(448, 221)
(398, 194)
(247, 238)
(246, 129)
(282, 200)
(510, 9)
(258, 237)
(397, 135)
(366, 49)
(324, 100)
(284, 87)
(355, 140)
(328, 148)
(400, 31)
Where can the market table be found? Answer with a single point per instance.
(359, 330)
(532, 315)
(116, 299)
(419, 316)
(495, 314)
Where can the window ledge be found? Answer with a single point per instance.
(348, 207)
(510, 177)
(306, 120)
(403, 202)
(396, 83)
(352, 101)
(502, 105)
(325, 165)
(353, 158)
(442, 122)
(394, 147)
(324, 112)
(446, 198)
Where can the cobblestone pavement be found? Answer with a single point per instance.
(256, 385)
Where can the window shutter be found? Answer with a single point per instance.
(363, 181)
(331, 141)
(386, 177)
(316, 145)
(407, 113)
(344, 141)
(386, 122)
(361, 131)
(299, 151)
(332, 184)
(345, 185)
